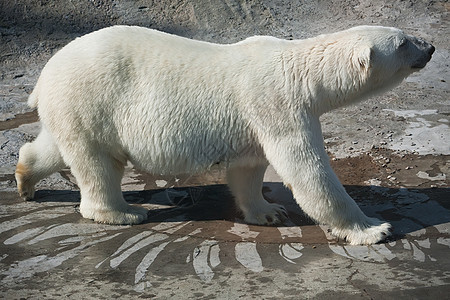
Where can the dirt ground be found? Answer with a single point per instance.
(392, 153)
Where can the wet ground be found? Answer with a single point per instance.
(195, 245)
(392, 153)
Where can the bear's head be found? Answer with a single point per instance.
(388, 55)
(363, 61)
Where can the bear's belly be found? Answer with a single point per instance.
(188, 154)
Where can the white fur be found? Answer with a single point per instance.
(172, 105)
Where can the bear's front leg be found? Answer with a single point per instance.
(246, 182)
(303, 165)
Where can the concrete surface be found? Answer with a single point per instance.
(392, 153)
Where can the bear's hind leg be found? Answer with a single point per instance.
(99, 177)
(246, 183)
(37, 160)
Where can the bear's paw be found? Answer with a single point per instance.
(371, 231)
(267, 214)
(128, 216)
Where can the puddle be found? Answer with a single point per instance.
(427, 132)
(20, 119)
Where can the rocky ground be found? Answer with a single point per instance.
(391, 153)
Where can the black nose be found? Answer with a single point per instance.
(431, 50)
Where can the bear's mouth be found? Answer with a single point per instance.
(421, 63)
(419, 66)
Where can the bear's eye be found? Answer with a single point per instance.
(403, 43)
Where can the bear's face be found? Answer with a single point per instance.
(393, 55)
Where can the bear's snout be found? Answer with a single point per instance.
(425, 49)
(425, 46)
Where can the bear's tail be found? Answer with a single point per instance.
(33, 99)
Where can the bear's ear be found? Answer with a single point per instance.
(363, 57)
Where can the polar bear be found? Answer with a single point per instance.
(172, 105)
